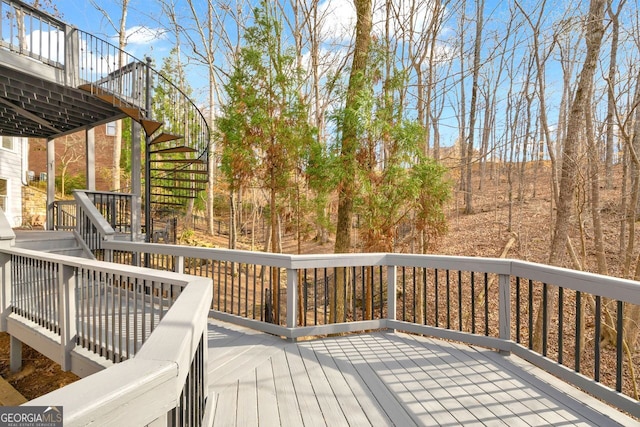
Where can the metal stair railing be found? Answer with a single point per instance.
(176, 129)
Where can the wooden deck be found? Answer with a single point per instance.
(385, 378)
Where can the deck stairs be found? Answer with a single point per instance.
(178, 151)
(54, 242)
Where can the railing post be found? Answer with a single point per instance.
(505, 308)
(67, 313)
(108, 255)
(71, 60)
(51, 182)
(7, 238)
(5, 289)
(292, 297)
(392, 283)
(179, 266)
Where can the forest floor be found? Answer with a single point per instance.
(520, 229)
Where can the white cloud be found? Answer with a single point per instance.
(338, 19)
(409, 18)
(140, 35)
(48, 44)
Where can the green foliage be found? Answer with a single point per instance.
(263, 129)
(434, 192)
(71, 183)
(395, 182)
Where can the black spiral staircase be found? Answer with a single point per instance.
(177, 161)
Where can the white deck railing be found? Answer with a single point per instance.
(487, 302)
(149, 329)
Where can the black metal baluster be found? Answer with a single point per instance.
(530, 314)
(435, 283)
(448, 289)
(545, 311)
(460, 300)
(598, 324)
(619, 345)
(560, 323)
(518, 309)
(576, 354)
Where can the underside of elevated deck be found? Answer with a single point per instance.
(385, 378)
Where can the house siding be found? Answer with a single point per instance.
(12, 169)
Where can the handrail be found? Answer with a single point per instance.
(92, 227)
(479, 301)
(116, 208)
(63, 214)
(167, 371)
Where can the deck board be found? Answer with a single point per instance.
(327, 398)
(385, 379)
(353, 412)
(305, 393)
(267, 401)
(288, 405)
(373, 411)
(247, 413)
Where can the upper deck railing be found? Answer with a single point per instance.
(497, 303)
(30, 32)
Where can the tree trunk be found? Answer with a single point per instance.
(576, 122)
(349, 146)
(594, 175)
(117, 142)
(468, 195)
(232, 219)
(611, 82)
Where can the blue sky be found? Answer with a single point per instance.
(84, 16)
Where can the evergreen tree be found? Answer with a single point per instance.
(263, 129)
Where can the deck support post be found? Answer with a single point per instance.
(136, 181)
(15, 354)
(505, 309)
(90, 159)
(51, 182)
(147, 163)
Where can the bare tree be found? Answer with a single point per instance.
(71, 154)
(614, 16)
(121, 30)
(475, 73)
(594, 33)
